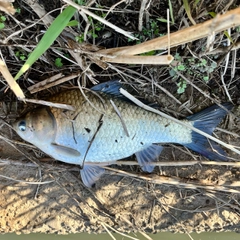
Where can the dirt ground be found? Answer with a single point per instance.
(121, 203)
(40, 195)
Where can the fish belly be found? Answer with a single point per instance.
(98, 132)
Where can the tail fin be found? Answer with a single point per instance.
(206, 121)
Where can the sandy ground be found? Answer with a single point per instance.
(66, 206)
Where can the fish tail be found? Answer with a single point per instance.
(206, 121)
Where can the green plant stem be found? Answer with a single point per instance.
(49, 37)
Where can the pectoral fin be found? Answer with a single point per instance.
(65, 151)
(148, 155)
(90, 174)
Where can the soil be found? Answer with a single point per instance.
(40, 195)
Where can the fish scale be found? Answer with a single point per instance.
(111, 141)
(94, 133)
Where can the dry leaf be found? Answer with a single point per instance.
(7, 7)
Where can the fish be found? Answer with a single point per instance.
(105, 127)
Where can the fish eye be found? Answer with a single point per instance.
(22, 126)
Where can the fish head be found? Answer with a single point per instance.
(37, 126)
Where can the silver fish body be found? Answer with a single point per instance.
(105, 128)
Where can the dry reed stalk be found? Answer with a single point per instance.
(176, 181)
(11, 82)
(201, 30)
(51, 82)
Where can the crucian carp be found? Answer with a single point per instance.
(95, 133)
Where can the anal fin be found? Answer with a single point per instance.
(148, 155)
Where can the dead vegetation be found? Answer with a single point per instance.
(186, 193)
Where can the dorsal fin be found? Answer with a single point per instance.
(111, 87)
